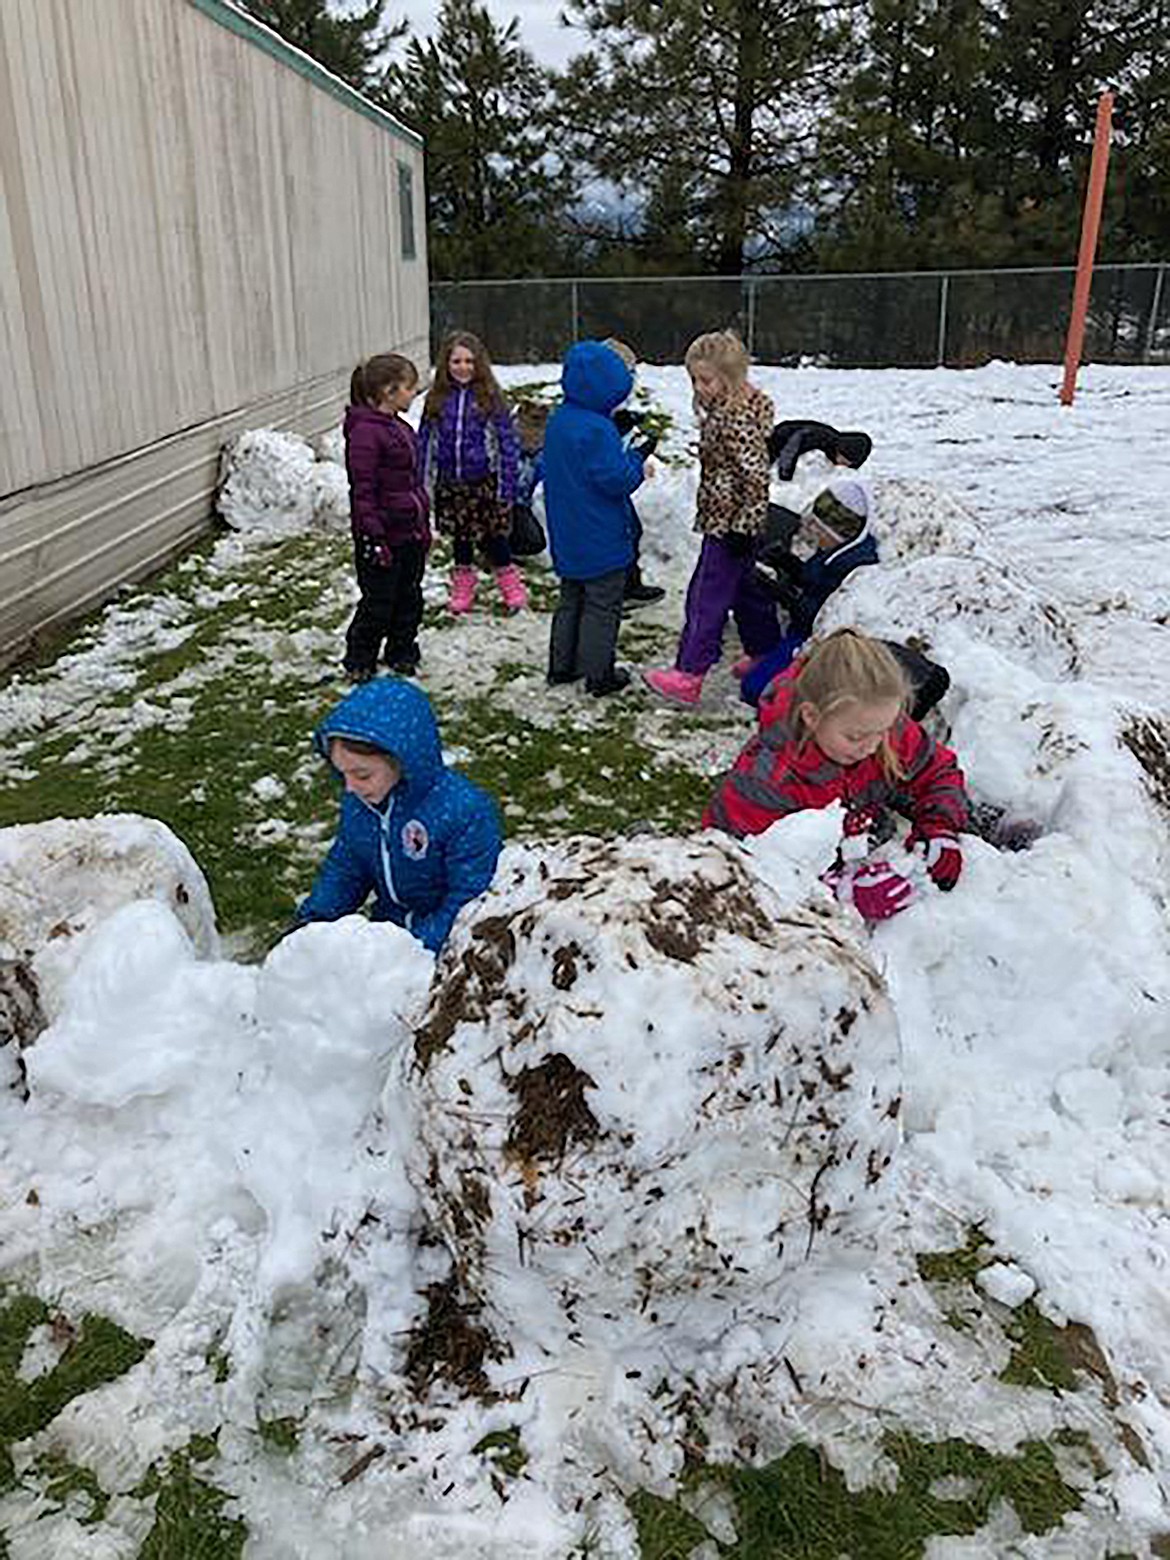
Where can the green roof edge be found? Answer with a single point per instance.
(245, 26)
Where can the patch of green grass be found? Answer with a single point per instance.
(1039, 1357)
(96, 1351)
(189, 1518)
(219, 1364)
(608, 777)
(961, 1265)
(799, 1507)
(64, 1480)
(282, 1435)
(505, 1450)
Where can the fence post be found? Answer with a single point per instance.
(574, 312)
(751, 315)
(943, 294)
(1155, 306)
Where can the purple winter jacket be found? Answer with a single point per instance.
(387, 500)
(464, 445)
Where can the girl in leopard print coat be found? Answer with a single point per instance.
(736, 420)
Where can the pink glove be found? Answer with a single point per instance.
(944, 859)
(878, 891)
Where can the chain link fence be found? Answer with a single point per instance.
(916, 319)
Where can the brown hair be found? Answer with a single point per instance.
(724, 351)
(850, 668)
(385, 371)
(356, 745)
(488, 395)
(531, 418)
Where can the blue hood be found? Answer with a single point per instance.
(595, 377)
(396, 717)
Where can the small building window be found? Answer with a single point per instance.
(406, 211)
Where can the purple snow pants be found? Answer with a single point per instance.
(724, 581)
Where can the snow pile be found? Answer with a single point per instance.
(330, 495)
(919, 519)
(60, 880)
(922, 599)
(330, 446)
(201, 1120)
(272, 484)
(644, 1084)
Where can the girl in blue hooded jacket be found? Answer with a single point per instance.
(421, 837)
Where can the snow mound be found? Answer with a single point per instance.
(60, 880)
(646, 1092)
(266, 480)
(916, 599)
(330, 495)
(272, 484)
(331, 447)
(919, 520)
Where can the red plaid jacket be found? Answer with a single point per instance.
(782, 771)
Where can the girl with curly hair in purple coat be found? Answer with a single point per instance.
(469, 454)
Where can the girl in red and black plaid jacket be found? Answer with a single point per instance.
(834, 728)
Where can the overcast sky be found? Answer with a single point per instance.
(540, 28)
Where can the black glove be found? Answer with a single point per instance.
(781, 589)
(777, 558)
(626, 421)
(645, 446)
(738, 543)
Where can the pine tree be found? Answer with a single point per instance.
(348, 45)
(494, 194)
(700, 96)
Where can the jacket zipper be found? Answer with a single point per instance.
(459, 435)
(387, 871)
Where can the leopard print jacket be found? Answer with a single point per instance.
(733, 460)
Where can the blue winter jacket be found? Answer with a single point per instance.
(588, 474)
(430, 848)
(819, 578)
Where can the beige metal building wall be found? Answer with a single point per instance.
(200, 231)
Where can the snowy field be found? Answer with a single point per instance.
(532, 1254)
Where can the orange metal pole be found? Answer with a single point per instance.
(1090, 226)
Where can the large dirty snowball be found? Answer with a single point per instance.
(646, 1092)
(266, 481)
(914, 600)
(60, 880)
(918, 520)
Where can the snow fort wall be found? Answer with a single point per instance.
(647, 1091)
(60, 880)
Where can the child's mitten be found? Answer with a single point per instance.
(878, 891)
(872, 887)
(944, 858)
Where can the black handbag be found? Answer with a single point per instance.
(527, 537)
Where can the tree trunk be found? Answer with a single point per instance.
(736, 201)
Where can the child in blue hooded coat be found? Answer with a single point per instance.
(420, 836)
(588, 478)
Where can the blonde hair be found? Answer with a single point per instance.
(724, 351)
(627, 354)
(850, 668)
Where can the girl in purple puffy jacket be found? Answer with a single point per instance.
(389, 510)
(469, 454)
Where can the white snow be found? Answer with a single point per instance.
(238, 1158)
